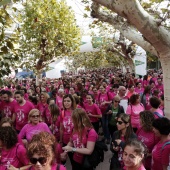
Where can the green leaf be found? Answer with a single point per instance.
(4, 2)
(10, 45)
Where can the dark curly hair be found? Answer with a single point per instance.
(162, 125)
(134, 98)
(8, 136)
(147, 118)
(155, 102)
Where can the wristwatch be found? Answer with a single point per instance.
(74, 149)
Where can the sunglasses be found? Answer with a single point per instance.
(120, 122)
(117, 101)
(41, 160)
(35, 116)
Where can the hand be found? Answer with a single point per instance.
(109, 112)
(118, 141)
(103, 103)
(67, 148)
(63, 156)
(116, 148)
(11, 167)
(89, 114)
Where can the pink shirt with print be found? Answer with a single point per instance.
(78, 143)
(8, 108)
(94, 110)
(160, 157)
(67, 125)
(133, 111)
(15, 156)
(150, 140)
(29, 130)
(21, 113)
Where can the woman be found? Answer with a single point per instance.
(92, 111)
(146, 135)
(122, 135)
(145, 97)
(42, 105)
(113, 111)
(55, 120)
(7, 122)
(104, 99)
(12, 153)
(42, 156)
(66, 124)
(133, 155)
(49, 139)
(131, 90)
(161, 151)
(59, 98)
(33, 127)
(134, 109)
(82, 140)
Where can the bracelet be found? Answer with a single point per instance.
(74, 149)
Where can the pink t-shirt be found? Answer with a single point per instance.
(47, 116)
(59, 102)
(139, 91)
(29, 130)
(78, 143)
(53, 167)
(21, 113)
(133, 111)
(55, 128)
(148, 106)
(150, 140)
(102, 98)
(15, 156)
(160, 157)
(67, 126)
(42, 107)
(8, 108)
(94, 110)
(158, 111)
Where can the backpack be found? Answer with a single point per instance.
(158, 114)
(166, 143)
(96, 156)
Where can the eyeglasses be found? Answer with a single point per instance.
(120, 122)
(35, 116)
(117, 101)
(41, 160)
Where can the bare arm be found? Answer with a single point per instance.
(87, 151)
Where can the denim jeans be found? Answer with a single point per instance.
(105, 126)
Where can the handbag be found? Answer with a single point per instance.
(114, 163)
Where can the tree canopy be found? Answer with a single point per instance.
(48, 31)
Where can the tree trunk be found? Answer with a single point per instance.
(158, 36)
(38, 78)
(165, 62)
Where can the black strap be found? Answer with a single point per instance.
(58, 167)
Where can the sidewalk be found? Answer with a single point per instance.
(102, 166)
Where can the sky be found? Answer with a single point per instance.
(78, 8)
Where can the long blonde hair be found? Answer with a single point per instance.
(81, 121)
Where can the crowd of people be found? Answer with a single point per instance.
(44, 125)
